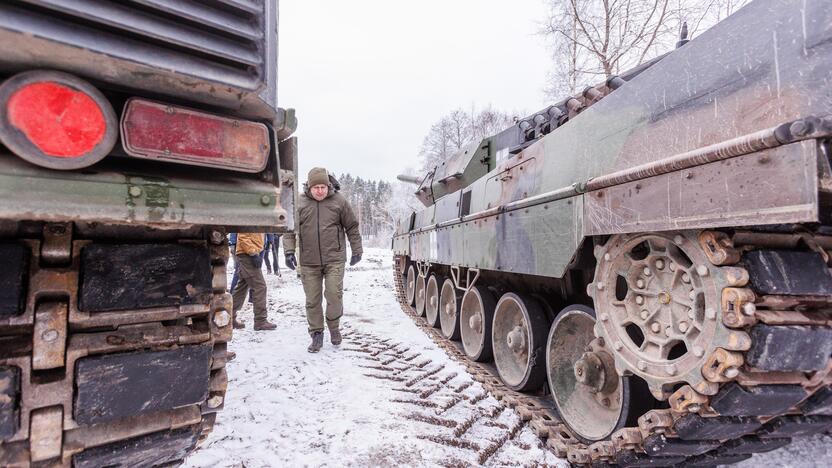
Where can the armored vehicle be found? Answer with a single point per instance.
(643, 270)
(134, 135)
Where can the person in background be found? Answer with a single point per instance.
(232, 246)
(271, 248)
(325, 218)
(275, 246)
(250, 261)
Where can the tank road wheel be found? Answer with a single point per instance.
(475, 319)
(410, 284)
(432, 300)
(421, 286)
(592, 399)
(519, 336)
(449, 301)
(658, 298)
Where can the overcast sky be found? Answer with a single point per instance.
(369, 77)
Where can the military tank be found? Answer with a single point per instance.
(643, 269)
(133, 137)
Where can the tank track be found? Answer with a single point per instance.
(112, 347)
(767, 394)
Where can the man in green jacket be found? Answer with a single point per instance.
(325, 218)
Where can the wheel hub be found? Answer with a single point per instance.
(516, 340)
(589, 371)
(475, 322)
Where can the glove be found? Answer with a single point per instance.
(355, 259)
(291, 261)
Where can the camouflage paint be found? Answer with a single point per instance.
(765, 65)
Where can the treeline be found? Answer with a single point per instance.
(369, 199)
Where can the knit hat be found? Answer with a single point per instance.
(317, 176)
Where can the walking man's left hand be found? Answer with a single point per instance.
(355, 259)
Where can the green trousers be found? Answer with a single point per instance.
(321, 282)
(251, 276)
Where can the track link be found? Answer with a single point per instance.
(776, 388)
(112, 347)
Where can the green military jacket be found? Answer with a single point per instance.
(322, 229)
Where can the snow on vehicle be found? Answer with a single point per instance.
(133, 137)
(643, 270)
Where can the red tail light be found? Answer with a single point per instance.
(56, 120)
(159, 131)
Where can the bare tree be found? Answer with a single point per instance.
(594, 39)
(457, 129)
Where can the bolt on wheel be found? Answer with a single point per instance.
(591, 398)
(475, 319)
(432, 300)
(410, 284)
(518, 336)
(420, 295)
(449, 303)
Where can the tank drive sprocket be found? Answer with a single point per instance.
(658, 305)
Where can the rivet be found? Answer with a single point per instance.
(607, 257)
(135, 191)
(222, 318)
(659, 264)
(600, 286)
(49, 335)
(645, 314)
(678, 239)
(647, 271)
(655, 327)
(618, 345)
(702, 270)
(685, 278)
(216, 237)
(698, 351)
(694, 407)
(605, 317)
(640, 283)
(265, 200)
(639, 300)
(672, 370)
(683, 327)
(642, 365)
(749, 308)
(215, 401)
(731, 372)
(710, 314)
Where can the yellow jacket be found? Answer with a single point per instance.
(251, 243)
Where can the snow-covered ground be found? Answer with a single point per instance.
(358, 404)
(388, 396)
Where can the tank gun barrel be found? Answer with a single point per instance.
(409, 179)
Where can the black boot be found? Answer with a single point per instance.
(264, 325)
(317, 342)
(238, 325)
(335, 336)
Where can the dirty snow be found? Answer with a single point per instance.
(388, 396)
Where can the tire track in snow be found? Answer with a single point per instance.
(454, 410)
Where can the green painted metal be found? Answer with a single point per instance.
(110, 196)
